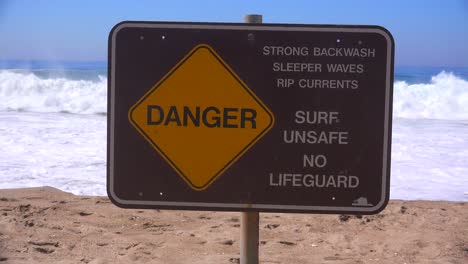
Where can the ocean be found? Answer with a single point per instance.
(53, 129)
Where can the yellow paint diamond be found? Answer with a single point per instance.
(201, 117)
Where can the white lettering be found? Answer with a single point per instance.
(315, 137)
(346, 68)
(316, 117)
(285, 51)
(312, 161)
(344, 52)
(332, 84)
(296, 67)
(313, 180)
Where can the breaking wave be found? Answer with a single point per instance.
(21, 91)
(444, 97)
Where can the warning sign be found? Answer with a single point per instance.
(250, 117)
(201, 117)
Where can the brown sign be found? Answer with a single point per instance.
(269, 117)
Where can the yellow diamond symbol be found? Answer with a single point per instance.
(201, 117)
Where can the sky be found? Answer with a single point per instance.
(426, 32)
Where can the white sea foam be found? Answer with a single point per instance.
(444, 97)
(54, 149)
(69, 151)
(27, 92)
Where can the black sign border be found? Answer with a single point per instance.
(251, 207)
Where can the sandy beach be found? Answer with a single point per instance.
(46, 225)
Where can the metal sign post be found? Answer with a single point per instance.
(250, 220)
(249, 237)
